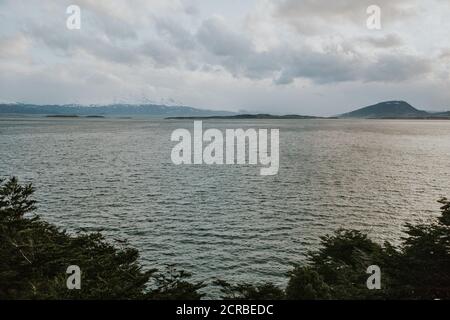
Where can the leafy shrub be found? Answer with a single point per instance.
(34, 256)
(419, 268)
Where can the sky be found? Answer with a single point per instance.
(312, 57)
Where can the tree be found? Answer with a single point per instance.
(419, 268)
(248, 291)
(34, 256)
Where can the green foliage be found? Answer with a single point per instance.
(419, 268)
(423, 267)
(247, 291)
(307, 284)
(342, 261)
(34, 256)
(173, 285)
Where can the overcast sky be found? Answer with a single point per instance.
(313, 57)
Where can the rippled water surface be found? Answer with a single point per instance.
(116, 175)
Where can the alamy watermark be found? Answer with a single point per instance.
(373, 22)
(73, 21)
(241, 147)
(73, 281)
(374, 281)
(74, 278)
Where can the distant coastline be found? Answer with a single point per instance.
(250, 116)
(62, 116)
(71, 116)
(387, 110)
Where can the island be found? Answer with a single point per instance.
(249, 116)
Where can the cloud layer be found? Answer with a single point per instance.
(313, 57)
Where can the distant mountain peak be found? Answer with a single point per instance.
(387, 109)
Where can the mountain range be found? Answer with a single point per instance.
(383, 110)
(151, 110)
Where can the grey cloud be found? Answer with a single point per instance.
(318, 67)
(66, 42)
(114, 28)
(445, 54)
(161, 53)
(387, 41)
(315, 16)
(395, 68)
(220, 40)
(218, 45)
(106, 21)
(13, 46)
(335, 67)
(284, 64)
(134, 46)
(173, 32)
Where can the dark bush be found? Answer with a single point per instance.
(34, 256)
(419, 268)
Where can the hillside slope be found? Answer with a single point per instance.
(387, 109)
